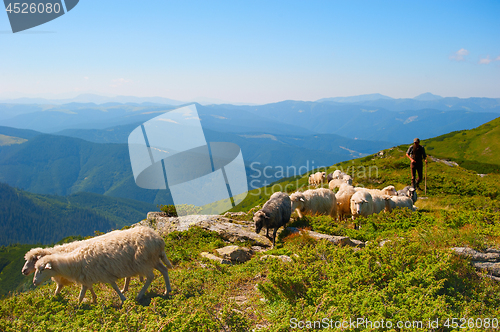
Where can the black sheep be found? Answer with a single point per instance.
(274, 214)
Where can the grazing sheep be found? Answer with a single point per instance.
(35, 254)
(335, 183)
(361, 204)
(318, 178)
(274, 214)
(127, 253)
(338, 174)
(314, 201)
(379, 203)
(377, 198)
(392, 202)
(343, 197)
(408, 191)
(334, 175)
(389, 190)
(347, 179)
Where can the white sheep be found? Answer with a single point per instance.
(317, 178)
(389, 190)
(311, 179)
(338, 174)
(347, 179)
(336, 183)
(127, 253)
(33, 255)
(361, 204)
(392, 202)
(343, 197)
(314, 201)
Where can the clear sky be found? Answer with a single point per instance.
(257, 51)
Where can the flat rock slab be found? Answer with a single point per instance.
(214, 258)
(337, 240)
(489, 261)
(491, 255)
(230, 230)
(491, 268)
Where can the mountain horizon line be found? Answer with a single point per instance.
(122, 99)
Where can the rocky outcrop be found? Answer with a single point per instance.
(231, 230)
(488, 261)
(235, 253)
(214, 258)
(446, 162)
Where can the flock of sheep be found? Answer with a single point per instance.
(139, 250)
(102, 259)
(348, 201)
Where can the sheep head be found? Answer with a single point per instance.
(260, 218)
(297, 201)
(29, 266)
(43, 271)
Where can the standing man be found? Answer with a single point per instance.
(416, 153)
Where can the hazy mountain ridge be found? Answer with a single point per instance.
(33, 218)
(52, 164)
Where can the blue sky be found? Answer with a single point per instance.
(257, 51)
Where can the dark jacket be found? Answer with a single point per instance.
(418, 155)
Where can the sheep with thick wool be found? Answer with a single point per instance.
(408, 191)
(124, 254)
(374, 204)
(392, 202)
(274, 214)
(389, 191)
(337, 183)
(314, 201)
(343, 197)
(361, 204)
(338, 174)
(33, 255)
(317, 178)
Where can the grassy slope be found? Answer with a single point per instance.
(479, 145)
(414, 277)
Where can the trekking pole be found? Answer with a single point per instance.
(425, 188)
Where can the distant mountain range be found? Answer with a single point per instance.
(61, 165)
(389, 120)
(97, 99)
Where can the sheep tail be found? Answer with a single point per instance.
(165, 260)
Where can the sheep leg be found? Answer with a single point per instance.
(149, 278)
(274, 236)
(83, 290)
(58, 289)
(127, 283)
(164, 271)
(94, 297)
(117, 290)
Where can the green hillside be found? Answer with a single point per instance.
(30, 218)
(413, 277)
(476, 149)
